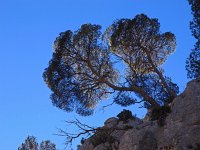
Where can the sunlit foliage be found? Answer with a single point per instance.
(29, 144)
(83, 70)
(47, 145)
(32, 144)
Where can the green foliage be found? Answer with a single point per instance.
(32, 144)
(82, 73)
(69, 74)
(153, 86)
(47, 145)
(193, 61)
(125, 115)
(29, 144)
(83, 140)
(133, 40)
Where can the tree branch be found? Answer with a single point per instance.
(133, 88)
(157, 71)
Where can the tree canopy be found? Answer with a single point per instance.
(47, 145)
(193, 61)
(85, 68)
(32, 144)
(29, 144)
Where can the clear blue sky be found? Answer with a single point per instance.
(27, 31)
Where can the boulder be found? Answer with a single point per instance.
(111, 122)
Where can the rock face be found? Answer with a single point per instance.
(180, 132)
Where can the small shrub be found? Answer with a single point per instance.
(125, 115)
(83, 140)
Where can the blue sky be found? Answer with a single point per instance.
(27, 31)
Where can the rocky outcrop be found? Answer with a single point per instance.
(181, 130)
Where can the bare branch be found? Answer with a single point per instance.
(84, 130)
